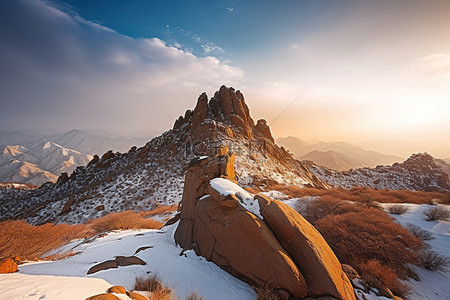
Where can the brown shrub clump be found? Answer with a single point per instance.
(433, 261)
(437, 213)
(154, 285)
(397, 209)
(377, 275)
(362, 194)
(18, 238)
(159, 210)
(123, 220)
(365, 237)
(363, 234)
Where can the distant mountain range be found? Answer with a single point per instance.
(420, 172)
(26, 158)
(41, 163)
(338, 156)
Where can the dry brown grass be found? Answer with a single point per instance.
(365, 237)
(160, 210)
(378, 275)
(154, 285)
(433, 261)
(18, 238)
(159, 291)
(123, 220)
(437, 213)
(358, 234)
(361, 194)
(397, 209)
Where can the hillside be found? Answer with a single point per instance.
(24, 158)
(38, 164)
(153, 174)
(420, 172)
(333, 160)
(340, 156)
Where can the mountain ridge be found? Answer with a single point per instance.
(344, 156)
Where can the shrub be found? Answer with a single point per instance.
(160, 209)
(397, 209)
(420, 233)
(194, 296)
(377, 275)
(18, 238)
(123, 220)
(361, 194)
(433, 261)
(154, 285)
(357, 234)
(265, 293)
(436, 213)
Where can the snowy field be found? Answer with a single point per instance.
(67, 279)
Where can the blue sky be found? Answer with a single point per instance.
(357, 70)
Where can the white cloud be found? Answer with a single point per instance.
(62, 70)
(433, 66)
(209, 48)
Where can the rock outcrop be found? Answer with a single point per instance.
(260, 241)
(9, 265)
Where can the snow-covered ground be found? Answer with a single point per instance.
(67, 279)
(432, 284)
(185, 273)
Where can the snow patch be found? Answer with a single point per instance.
(226, 187)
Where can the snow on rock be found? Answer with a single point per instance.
(227, 187)
(184, 273)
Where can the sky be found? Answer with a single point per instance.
(327, 70)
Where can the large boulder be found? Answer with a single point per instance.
(8, 266)
(217, 227)
(263, 242)
(241, 243)
(309, 250)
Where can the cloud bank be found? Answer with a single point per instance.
(60, 71)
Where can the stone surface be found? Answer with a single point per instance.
(129, 260)
(105, 296)
(109, 264)
(136, 296)
(8, 266)
(231, 237)
(118, 289)
(317, 262)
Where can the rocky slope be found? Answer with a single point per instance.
(420, 172)
(154, 174)
(38, 163)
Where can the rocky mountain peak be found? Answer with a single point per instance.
(225, 113)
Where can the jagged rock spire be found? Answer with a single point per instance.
(227, 112)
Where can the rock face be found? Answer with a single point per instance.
(9, 266)
(317, 262)
(253, 238)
